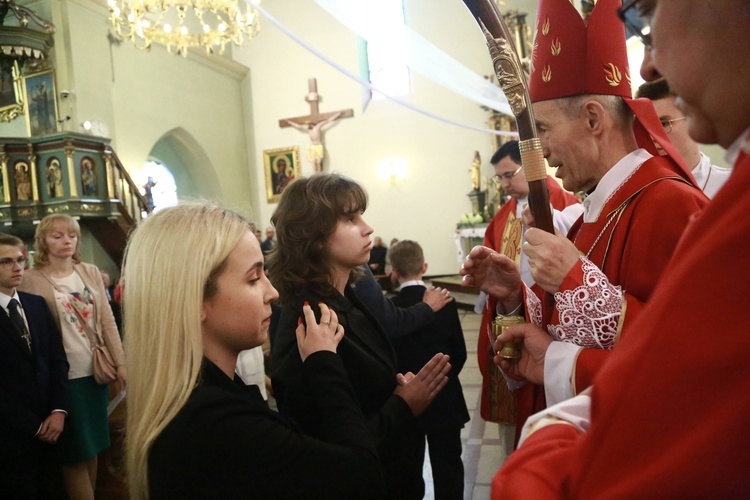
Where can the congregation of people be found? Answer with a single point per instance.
(629, 373)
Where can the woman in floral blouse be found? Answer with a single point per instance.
(75, 293)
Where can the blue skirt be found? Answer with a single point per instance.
(86, 431)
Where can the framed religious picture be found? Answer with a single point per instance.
(40, 99)
(11, 95)
(505, 123)
(282, 167)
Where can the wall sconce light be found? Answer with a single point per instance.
(393, 169)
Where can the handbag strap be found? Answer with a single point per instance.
(91, 334)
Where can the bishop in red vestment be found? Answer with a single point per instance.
(601, 277)
(667, 416)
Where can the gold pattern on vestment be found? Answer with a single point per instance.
(556, 47)
(547, 74)
(612, 74)
(511, 244)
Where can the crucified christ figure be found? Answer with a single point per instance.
(315, 151)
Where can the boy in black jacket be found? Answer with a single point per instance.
(442, 422)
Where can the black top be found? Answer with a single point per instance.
(370, 363)
(396, 321)
(377, 257)
(32, 383)
(226, 443)
(448, 410)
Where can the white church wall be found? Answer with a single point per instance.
(427, 204)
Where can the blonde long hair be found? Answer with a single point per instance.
(171, 264)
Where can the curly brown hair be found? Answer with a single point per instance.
(307, 215)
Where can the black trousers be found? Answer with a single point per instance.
(447, 466)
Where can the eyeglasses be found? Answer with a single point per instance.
(640, 29)
(8, 264)
(667, 122)
(498, 179)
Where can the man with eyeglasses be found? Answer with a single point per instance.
(504, 234)
(667, 416)
(603, 273)
(33, 384)
(709, 177)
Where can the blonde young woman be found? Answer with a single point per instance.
(197, 295)
(73, 291)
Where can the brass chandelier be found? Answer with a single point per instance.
(181, 24)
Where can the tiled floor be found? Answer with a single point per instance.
(484, 450)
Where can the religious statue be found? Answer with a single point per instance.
(315, 151)
(148, 194)
(476, 179)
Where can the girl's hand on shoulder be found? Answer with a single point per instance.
(313, 337)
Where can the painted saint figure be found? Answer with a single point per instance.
(54, 178)
(281, 177)
(88, 177)
(23, 181)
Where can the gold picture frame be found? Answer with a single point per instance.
(11, 93)
(505, 123)
(282, 167)
(40, 101)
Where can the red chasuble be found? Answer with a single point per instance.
(670, 409)
(624, 253)
(497, 403)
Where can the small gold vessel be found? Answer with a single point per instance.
(499, 325)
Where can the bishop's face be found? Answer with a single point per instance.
(568, 146)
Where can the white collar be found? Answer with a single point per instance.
(520, 205)
(5, 299)
(410, 283)
(611, 182)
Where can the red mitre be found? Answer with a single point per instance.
(571, 58)
(575, 57)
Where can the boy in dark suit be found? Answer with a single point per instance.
(442, 422)
(33, 383)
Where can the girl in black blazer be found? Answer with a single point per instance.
(197, 295)
(322, 243)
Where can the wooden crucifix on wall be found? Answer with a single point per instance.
(313, 124)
